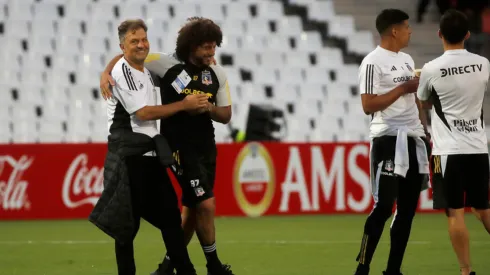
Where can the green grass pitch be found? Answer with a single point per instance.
(262, 246)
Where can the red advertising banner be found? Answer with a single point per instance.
(64, 181)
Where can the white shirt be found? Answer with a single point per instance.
(380, 72)
(456, 83)
(134, 90)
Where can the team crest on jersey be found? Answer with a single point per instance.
(389, 167)
(409, 68)
(206, 78)
(199, 191)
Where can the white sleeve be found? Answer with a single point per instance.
(127, 93)
(488, 61)
(223, 97)
(369, 78)
(160, 63)
(424, 89)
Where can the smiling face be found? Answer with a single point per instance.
(135, 45)
(203, 55)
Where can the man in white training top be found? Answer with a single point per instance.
(455, 84)
(399, 149)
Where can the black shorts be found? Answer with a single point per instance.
(387, 187)
(195, 171)
(460, 181)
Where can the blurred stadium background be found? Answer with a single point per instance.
(292, 69)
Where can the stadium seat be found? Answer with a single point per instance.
(77, 10)
(158, 10)
(133, 10)
(259, 26)
(270, 10)
(320, 10)
(290, 25)
(42, 45)
(214, 11)
(233, 26)
(238, 10)
(183, 11)
(20, 10)
(47, 10)
(18, 28)
(309, 41)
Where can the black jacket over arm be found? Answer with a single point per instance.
(113, 212)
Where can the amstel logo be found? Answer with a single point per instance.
(254, 179)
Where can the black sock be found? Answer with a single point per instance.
(211, 255)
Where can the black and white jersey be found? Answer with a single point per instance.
(380, 72)
(456, 83)
(179, 79)
(134, 90)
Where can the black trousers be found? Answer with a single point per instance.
(154, 199)
(388, 188)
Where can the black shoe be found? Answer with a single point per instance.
(472, 273)
(224, 269)
(362, 270)
(386, 273)
(163, 270)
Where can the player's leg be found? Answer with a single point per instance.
(454, 178)
(189, 226)
(409, 189)
(478, 189)
(384, 188)
(125, 254)
(459, 236)
(125, 250)
(188, 223)
(483, 215)
(407, 200)
(205, 214)
(161, 210)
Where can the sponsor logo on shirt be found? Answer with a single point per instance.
(466, 126)
(461, 70)
(188, 91)
(402, 78)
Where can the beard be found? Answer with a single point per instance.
(200, 60)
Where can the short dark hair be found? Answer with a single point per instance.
(195, 32)
(130, 25)
(454, 26)
(388, 18)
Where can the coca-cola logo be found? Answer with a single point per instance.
(13, 192)
(81, 184)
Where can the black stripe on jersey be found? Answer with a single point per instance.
(131, 78)
(128, 77)
(151, 79)
(481, 118)
(436, 102)
(369, 78)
